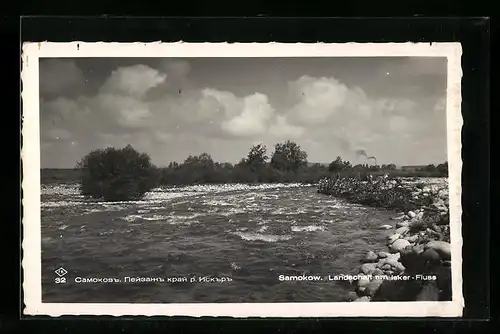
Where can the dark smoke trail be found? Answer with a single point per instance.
(361, 153)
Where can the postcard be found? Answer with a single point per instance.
(242, 180)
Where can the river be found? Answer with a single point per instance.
(230, 244)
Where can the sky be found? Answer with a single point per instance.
(393, 108)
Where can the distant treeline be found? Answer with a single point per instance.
(288, 163)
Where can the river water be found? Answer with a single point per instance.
(242, 238)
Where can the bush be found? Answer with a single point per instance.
(117, 174)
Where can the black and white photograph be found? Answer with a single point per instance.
(244, 178)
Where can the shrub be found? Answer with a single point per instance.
(117, 174)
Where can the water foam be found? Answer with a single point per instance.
(252, 236)
(309, 228)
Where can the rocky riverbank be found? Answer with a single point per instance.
(417, 264)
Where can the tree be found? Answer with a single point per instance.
(117, 174)
(391, 167)
(257, 157)
(198, 169)
(288, 156)
(443, 169)
(430, 168)
(336, 166)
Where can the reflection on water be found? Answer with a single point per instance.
(251, 234)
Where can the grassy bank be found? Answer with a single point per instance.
(228, 174)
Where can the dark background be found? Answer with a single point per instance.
(473, 33)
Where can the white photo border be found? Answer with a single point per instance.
(31, 243)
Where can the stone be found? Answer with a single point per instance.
(385, 227)
(447, 264)
(431, 256)
(403, 230)
(399, 267)
(363, 282)
(399, 245)
(373, 286)
(416, 226)
(402, 224)
(392, 262)
(382, 255)
(378, 272)
(386, 267)
(368, 268)
(411, 238)
(411, 214)
(394, 256)
(361, 290)
(392, 238)
(370, 257)
(362, 299)
(418, 249)
(443, 248)
(352, 296)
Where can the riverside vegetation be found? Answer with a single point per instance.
(288, 163)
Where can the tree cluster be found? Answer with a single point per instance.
(122, 174)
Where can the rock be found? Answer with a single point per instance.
(394, 256)
(431, 256)
(392, 238)
(385, 227)
(399, 267)
(416, 226)
(383, 255)
(352, 296)
(411, 238)
(395, 265)
(403, 230)
(447, 264)
(399, 245)
(386, 267)
(418, 249)
(368, 268)
(443, 248)
(402, 224)
(391, 262)
(411, 214)
(389, 272)
(363, 282)
(398, 218)
(373, 286)
(378, 272)
(380, 263)
(362, 299)
(370, 257)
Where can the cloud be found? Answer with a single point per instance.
(348, 119)
(282, 129)
(164, 113)
(252, 119)
(132, 81)
(318, 98)
(59, 75)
